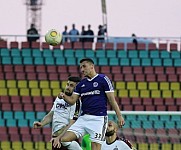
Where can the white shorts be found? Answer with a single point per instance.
(94, 125)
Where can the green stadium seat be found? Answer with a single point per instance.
(36, 53)
(122, 54)
(19, 115)
(100, 53)
(38, 61)
(147, 125)
(143, 117)
(154, 54)
(11, 123)
(49, 61)
(47, 53)
(2, 122)
(156, 62)
(146, 62)
(57, 53)
(165, 118)
(111, 54)
(113, 61)
(103, 61)
(27, 60)
(22, 123)
(8, 115)
(26, 52)
(30, 115)
(143, 54)
(177, 62)
(132, 53)
(17, 60)
(135, 62)
(71, 61)
(40, 115)
(175, 54)
(176, 118)
(169, 125)
(158, 124)
(89, 53)
(4, 52)
(167, 62)
(69, 53)
(164, 54)
(130, 117)
(60, 61)
(15, 53)
(124, 62)
(6, 60)
(135, 124)
(79, 53)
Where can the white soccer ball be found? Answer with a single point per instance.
(53, 37)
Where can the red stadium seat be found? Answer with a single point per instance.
(147, 101)
(99, 46)
(131, 46)
(172, 108)
(173, 47)
(127, 70)
(14, 44)
(78, 45)
(73, 69)
(31, 76)
(120, 46)
(48, 100)
(37, 100)
(97, 68)
(67, 45)
(17, 107)
(26, 99)
(62, 69)
(51, 69)
(6, 107)
(118, 77)
(26, 137)
(46, 131)
(2, 75)
(152, 46)
(88, 45)
(159, 70)
(30, 68)
(3, 44)
(28, 107)
(172, 78)
(5, 99)
(116, 69)
(139, 108)
(162, 46)
(63, 76)
(138, 70)
(149, 70)
(10, 76)
(169, 101)
(57, 46)
(150, 108)
(42, 76)
(21, 76)
(140, 77)
(39, 107)
(161, 108)
(141, 46)
(41, 68)
(129, 77)
(170, 70)
(25, 45)
(161, 77)
(53, 76)
(19, 68)
(105, 69)
(8, 68)
(125, 101)
(15, 99)
(24, 130)
(128, 108)
(109, 46)
(158, 101)
(45, 45)
(178, 101)
(35, 45)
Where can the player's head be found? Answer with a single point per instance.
(87, 67)
(71, 83)
(112, 128)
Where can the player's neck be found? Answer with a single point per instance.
(111, 139)
(92, 75)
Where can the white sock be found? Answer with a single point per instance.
(72, 145)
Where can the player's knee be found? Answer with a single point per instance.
(68, 137)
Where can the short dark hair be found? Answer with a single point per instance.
(74, 79)
(87, 59)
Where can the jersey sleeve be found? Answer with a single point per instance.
(108, 87)
(54, 105)
(77, 110)
(77, 89)
(72, 111)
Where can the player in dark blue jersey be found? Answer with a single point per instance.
(94, 90)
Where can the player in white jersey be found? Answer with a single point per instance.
(95, 91)
(113, 142)
(62, 116)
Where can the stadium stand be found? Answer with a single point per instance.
(144, 80)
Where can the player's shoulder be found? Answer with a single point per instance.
(126, 141)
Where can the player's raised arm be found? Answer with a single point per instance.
(69, 99)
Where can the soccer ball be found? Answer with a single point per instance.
(53, 37)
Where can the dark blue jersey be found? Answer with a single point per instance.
(93, 94)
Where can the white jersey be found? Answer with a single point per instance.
(116, 145)
(63, 112)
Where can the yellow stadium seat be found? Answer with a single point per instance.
(24, 92)
(2, 83)
(56, 91)
(63, 84)
(22, 84)
(142, 146)
(3, 91)
(120, 85)
(142, 85)
(153, 86)
(144, 93)
(123, 93)
(17, 145)
(131, 85)
(154, 146)
(166, 146)
(35, 92)
(164, 86)
(55, 84)
(177, 94)
(176, 146)
(11, 83)
(133, 93)
(44, 84)
(116, 92)
(5, 145)
(13, 91)
(166, 94)
(46, 92)
(33, 84)
(175, 86)
(155, 94)
(48, 146)
(28, 145)
(40, 145)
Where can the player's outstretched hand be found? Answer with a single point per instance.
(37, 125)
(56, 142)
(61, 95)
(121, 122)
